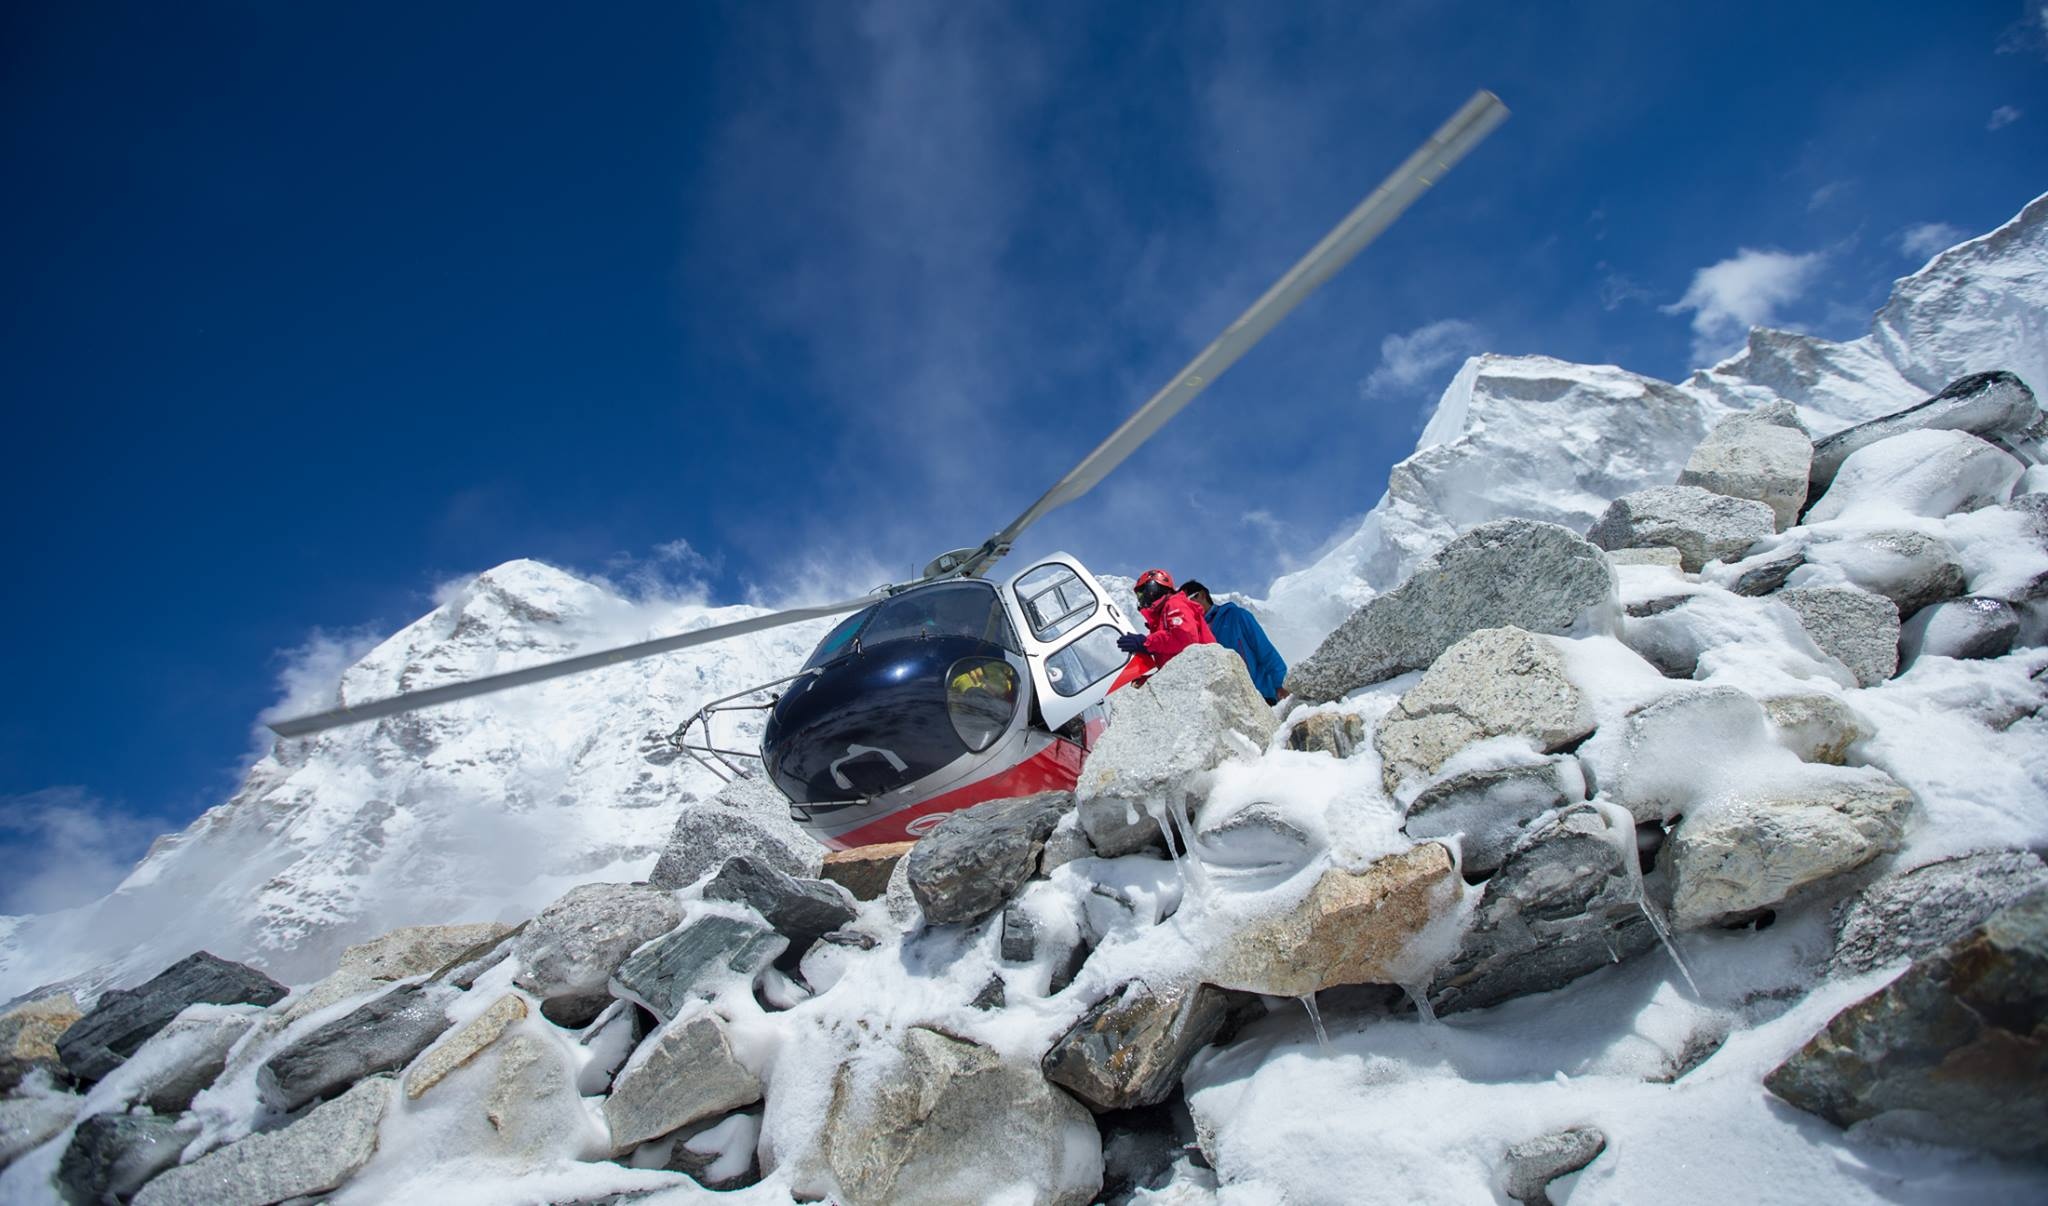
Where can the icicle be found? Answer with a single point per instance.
(1621, 826)
(1315, 1018)
(1173, 823)
(1419, 997)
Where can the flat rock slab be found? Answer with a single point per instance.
(1512, 572)
(864, 870)
(1352, 928)
(1756, 849)
(747, 816)
(111, 1156)
(1131, 1047)
(1993, 405)
(1855, 627)
(569, 950)
(125, 1018)
(1492, 808)
(381, 1036)
(707, 954)
(1199, 710)
(1496, 682)
(1563, 905)
(1953, 1051)
(313, 1155)
(417, 949)
(972, 862)
(1928, 907)
(1702, 525)
(1763, 455)
(945, 1120)
(687, 1074)
(29, 1034)
(801, 910)
(464, 1045)
(1912, 569)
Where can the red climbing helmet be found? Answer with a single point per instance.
(1152, 584)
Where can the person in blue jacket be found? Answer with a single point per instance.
(1236, 627)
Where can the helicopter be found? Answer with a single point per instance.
(953, 689)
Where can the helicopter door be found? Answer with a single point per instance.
(1069, 629)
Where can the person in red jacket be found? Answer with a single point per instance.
(1174, 620)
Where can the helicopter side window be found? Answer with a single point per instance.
(968, 609)
(1055, 601)
(1090, 659)
(837, 640)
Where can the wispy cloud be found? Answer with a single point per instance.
(1418, 357)
(1826, 194)
(2001, 117)
(1618, 289)
(1926, 238)
(66, 847)
(1746, 290)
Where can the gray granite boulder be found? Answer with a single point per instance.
(1533, 1164)
(707, 954)
(31, 1120)
(1702, 525)
(974, 861)
(417, 949)
(1816, 727)
(1855, 627)
(942, 1121)
(381, 1036)
(1970, 627)
(1513, 572)
(747, 816)
(1912, 913)
(125, 1018)
(1492, 808)
(1496, 682)
(1950, 1052)
(314, 1154)
(28, 1037)
(684, 1074)
(1756, 849)
(1927, 473)
(1994, 405)
(1131, 1047)
(569, 951)
(110, 1156)
(1199, 710)
(1763, 454)
(1565, 903)
(1912, 569)
(801, 910)
(1662, 556)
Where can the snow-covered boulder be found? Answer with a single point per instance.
(1763, 454)
(32, 1119)
(972, 862)
(1536, 576)
(1929, 473)
(313, 1154)
(1564, 904)
(684, 1073)
(1659, 759)
(1971, 626)
(1497, 682)
(1911, 568)
(1949, 1051)
(1198, 710)
(186, 1056)
(1914, 912)
(1995, 406)
(1855, 627)
(1702, 525)
(939, 1120)
(1755, 849)
(1490, 807)
(568, 952)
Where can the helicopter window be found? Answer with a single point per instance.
(1090, 659)
(1055, 600)
(965, 609)
(837, 640)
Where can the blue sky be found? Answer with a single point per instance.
(311, 308)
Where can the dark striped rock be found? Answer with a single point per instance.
(381, 1036)
(125, 1018)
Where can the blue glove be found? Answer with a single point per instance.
(1131, 642)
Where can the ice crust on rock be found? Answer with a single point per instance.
(1928, 473)
(1994, 405)
(1496, 682)
(1968, 627)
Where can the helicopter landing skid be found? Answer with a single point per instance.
(719, 761)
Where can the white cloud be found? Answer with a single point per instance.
(1826, 193)
(67, 847)
(309, 676)
(1409, 360)
(1746, 290)
(1927, 238)
(2002, 116)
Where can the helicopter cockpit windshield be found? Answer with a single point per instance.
(950, 609)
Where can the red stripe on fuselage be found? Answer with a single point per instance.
(1055, 768)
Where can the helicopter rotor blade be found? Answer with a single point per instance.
(1472, 123)
(299, 726)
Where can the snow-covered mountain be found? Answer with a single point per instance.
(1539, 438)
(489, 811)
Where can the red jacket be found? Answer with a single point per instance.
(1176, 623)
